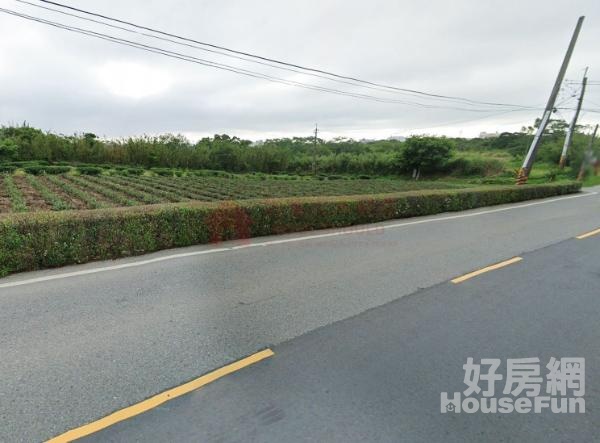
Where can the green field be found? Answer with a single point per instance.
(25, 192)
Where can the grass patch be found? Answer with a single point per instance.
(592, 180)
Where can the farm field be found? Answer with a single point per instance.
(25, 192)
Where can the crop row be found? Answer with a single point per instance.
(19, 193)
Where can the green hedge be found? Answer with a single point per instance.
(48, 239)
(52, 170)
(89, 170)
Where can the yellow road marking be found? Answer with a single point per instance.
(159, 399)
(484, 270)
(589, 234)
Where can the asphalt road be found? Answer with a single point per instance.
(378, 376)
(75, 348)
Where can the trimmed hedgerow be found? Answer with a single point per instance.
(7, 168)
(89, 170)
(49, 239)
(53, 170)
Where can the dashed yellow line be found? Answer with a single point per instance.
(589, 234)
(159, 399)
(487, 269)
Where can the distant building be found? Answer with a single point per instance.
(398, 138)
(488, 134)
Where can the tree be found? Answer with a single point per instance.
(425, 154)
(8, 149)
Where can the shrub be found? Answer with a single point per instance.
(30, 163)
(163, 172)
(129, 171)
(53, 170)
(8, 149)
(480, 166)
(7, 168)
(134, 171)
(49, 239)
(89, 170)
(425, 154)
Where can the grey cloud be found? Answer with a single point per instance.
(496, 51)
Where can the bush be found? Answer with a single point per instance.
(134, 171)
(7, 168)
(8, 149)
(163, 172)
(21, 164)
(480, 166)
(53, 170)
(425, 154)
(49, 239)
(89, 170)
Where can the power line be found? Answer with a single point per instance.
(279, 62)
(221, 66)
(259, 62)
(576, 82)
(456, 122)
(185, 57)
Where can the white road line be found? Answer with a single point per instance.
(345, 231)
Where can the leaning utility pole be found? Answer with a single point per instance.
(587, 155)
(529, 158)
(573, 125)
(314, 162)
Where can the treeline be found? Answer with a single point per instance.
(517, 143)
(290, 155)
(220, 152)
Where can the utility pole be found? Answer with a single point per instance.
(529, 158)
(314, 165)
(573, 125)
(587, 156)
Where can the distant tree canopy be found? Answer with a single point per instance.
(426, 154)
(291, 155)
(8, 149)
(223, 152)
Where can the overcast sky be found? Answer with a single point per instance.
(497, 51)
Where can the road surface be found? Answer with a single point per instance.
(80, 342)
(378, 376)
